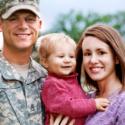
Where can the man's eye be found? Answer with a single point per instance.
(12, 18)
(30, 19)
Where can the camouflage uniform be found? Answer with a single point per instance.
(20, 99)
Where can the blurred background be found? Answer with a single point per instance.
(73, 16)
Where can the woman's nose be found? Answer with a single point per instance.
(93, 59)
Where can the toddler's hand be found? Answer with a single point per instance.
(101, 103)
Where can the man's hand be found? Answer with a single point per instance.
(60, 120)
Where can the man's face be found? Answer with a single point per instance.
(20, 30)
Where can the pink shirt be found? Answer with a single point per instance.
(63, 95)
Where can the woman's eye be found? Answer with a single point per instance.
(101, 53)
(86, 54)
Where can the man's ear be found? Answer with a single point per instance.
(0, 25)
(40, 24)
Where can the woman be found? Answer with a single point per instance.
(100, 53)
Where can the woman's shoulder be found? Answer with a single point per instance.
(119, 101)
(121, 95)
(121, 98)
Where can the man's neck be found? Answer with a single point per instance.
(20, 58)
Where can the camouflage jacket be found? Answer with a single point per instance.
(20, 102)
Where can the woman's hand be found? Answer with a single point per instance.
(60, 120)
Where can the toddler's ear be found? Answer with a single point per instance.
(43, 62)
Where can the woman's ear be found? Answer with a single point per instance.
(116, 60)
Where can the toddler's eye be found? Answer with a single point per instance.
(72, 56)
(60, 56)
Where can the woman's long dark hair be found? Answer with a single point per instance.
(111, 37)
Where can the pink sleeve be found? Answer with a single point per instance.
(58, 100)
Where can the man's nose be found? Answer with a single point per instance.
(23, 23)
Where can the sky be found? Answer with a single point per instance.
(50, 9)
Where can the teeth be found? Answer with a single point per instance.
(22, 35)
(95, 69)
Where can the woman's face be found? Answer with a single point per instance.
(98, 60)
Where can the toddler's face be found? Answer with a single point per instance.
(62, 61)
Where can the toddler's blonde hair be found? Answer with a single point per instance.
(48, 42)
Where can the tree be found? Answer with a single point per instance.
(74, 23)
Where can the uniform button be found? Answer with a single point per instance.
(32, 107)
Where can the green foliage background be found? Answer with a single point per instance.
(74, 23)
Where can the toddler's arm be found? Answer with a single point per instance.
(101, 103)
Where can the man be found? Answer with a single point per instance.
(20, 76)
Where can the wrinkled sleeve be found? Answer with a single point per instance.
(121, 113)
(57, 99)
